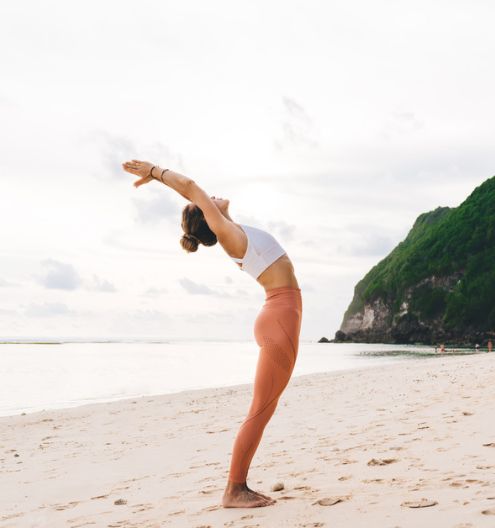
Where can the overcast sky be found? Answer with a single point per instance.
(331, 124)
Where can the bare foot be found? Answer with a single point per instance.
(260, 494)
(240, 496)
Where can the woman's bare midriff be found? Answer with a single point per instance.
(278, 274)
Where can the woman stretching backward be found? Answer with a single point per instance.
(206, 221)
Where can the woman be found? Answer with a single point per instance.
(206, 221)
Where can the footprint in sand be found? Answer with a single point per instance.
(458, 484)
(209, 492)
(142, 507)
(421, 503)
(382, 461)
(178, 512)
(212, 508)
(348, 461)
(490, 511)
(61, 507)
(219, 431)
(11, 516)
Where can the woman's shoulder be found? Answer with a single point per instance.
(234, 239)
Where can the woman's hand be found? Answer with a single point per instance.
(141, 169)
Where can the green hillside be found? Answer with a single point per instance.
(444, 271)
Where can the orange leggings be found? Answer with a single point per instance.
(276, 331)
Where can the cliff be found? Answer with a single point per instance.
(437, 285)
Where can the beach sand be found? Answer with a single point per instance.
(376, 438)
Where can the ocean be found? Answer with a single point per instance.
(65, 373)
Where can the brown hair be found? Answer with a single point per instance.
(196, 229)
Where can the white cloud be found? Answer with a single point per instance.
(160, 206)
(103, 285)
(370, 244)
(7, 284)
(401, 123)
(58, 275)
(155, 292)
(7, 312)
(282, 228)
(195, 288)
(47, 309)
(297, 127)
(115, 150)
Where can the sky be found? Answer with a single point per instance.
(331, 124)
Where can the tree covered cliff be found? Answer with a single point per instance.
(438, 284)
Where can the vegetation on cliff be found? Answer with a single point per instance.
(453, 244)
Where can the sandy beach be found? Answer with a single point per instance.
(357, 448)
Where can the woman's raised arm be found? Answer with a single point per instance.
(143, 169)
(186, 187)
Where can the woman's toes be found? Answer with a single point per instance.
(260, 501)
(265, 500)
(262, 495)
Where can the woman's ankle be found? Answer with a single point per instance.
(236, 486)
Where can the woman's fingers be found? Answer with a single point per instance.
(130, 168)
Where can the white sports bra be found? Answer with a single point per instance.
(262, 250)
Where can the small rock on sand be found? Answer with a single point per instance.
(330, 501)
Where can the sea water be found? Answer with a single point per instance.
(59, 374)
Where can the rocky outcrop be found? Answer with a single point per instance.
(438, 285)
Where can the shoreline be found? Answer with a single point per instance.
(216, 387)
(374, 438)
(27, 411)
